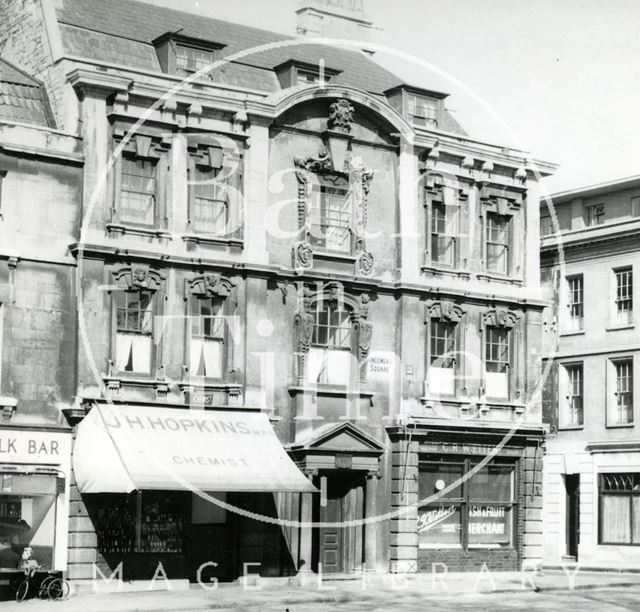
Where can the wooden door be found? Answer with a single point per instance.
(340, 547)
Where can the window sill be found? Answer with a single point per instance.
(570, 427)
(120, 228)
(620, 327)
(500, 278)
(187, 385)
(446, 271)
(335, 390)
(579, 332)
(619, 425)
(212, 240)
(333, 255)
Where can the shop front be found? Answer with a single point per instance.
(465, 496)
(184, 493)
(34, 478)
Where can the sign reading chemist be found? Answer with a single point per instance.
(32, 446)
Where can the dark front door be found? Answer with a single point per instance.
(572, 483)
(339, 546)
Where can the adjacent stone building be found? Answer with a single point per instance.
(589, 252)
(298, 233)
(40, 198)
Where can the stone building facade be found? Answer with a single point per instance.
(40, 197)
(589, 252)
(299, 232)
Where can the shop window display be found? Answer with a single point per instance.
(477, 512)
(143, 522)
(27, 519)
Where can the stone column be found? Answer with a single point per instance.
(306, 532)
(370, 535)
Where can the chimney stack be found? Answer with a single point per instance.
(334, 19)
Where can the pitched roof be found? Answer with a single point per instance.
(122, 31)
(23, 99)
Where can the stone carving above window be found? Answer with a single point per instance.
(305, 320)
(445, 310)
(500, 317)
(309, 171)
(138, 276)
(142, 145)
(211, 284)
(501, 200)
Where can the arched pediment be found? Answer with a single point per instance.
(285, 100)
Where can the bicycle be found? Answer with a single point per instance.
(52, 587)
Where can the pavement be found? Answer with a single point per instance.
(547, 590)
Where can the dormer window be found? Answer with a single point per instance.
(421, 107)
(185, 56)
(423, 111)
(191, 59)
(595, 214)
(307, 77)
(296, 74)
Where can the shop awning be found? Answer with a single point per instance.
(119, 449)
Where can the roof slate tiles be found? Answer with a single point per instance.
(22, 98)
(122, 31)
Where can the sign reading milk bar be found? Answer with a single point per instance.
(32, 446)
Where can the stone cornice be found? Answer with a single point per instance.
(288, 275)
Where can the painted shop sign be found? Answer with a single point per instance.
(440, 526)
(460, 448)
(489, 524)
(24, 446)
(443, 525)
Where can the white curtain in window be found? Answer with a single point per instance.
(123, 349)
(141, 348)
(338, 365)
(497, 384)
(195, 355)
(616, 519)
(441, 381)
(212, 358)
(315, 364)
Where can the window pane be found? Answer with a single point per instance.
(431, 473)
(635, 501)
(624, 296)
(331, 217)
(616, 519)
(137, 191)
(573, 395)
(489, 525)
(442, 343)
(439, 526)
(575, 299)
(492, 483)
(497, 349)
(623, 392)
(497, 242)
(209, 203)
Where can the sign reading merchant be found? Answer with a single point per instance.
(119, 449)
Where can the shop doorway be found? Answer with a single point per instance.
(339, 548)
(572, 484)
